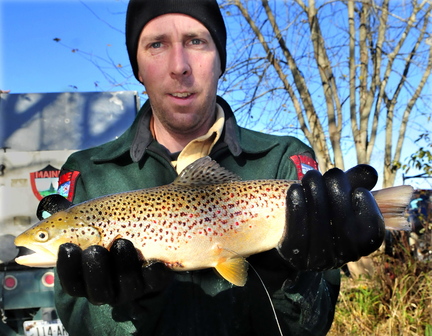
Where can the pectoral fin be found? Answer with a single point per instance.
(234, 270)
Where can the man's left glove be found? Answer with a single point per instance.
(332, 219)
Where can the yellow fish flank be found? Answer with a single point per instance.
(206, 218)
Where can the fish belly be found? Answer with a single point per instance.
(190, 228)
(207, 246)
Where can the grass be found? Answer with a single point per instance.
(396, 300)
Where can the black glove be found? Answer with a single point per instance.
(109, 277)
(51, 204)
(332, 219)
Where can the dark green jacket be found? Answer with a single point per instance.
(200, 302)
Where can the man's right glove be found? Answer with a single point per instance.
(332, 219)
(109, 277)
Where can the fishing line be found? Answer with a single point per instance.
(266, 291)
(269, 298)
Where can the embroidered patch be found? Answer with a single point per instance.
(67, 183)
(44, 182)
(303, 164)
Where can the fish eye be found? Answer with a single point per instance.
(42, 235)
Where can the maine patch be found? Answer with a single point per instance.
(67, 184)
(303, 164)
(44, 182)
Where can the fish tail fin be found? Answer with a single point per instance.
(393, 203)
(234, 270)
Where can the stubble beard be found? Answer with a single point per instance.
(182, 123)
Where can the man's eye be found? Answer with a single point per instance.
(156, 45)
(196, 41)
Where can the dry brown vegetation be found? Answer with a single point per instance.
(396, 300)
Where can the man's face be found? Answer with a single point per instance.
(179, 66)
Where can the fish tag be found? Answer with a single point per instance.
(205, 171)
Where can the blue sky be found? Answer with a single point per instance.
(32, 61)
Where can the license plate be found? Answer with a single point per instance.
(44, 328)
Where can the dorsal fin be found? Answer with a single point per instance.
(205, 171)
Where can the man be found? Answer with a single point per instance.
(177, 51)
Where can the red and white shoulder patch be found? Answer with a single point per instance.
(303, 164)
(67, 183)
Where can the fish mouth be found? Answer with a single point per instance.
(39, 258)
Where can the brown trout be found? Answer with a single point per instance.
(206, 218)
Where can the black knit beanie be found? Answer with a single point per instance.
(140, 12)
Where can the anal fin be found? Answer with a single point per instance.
(234, 270)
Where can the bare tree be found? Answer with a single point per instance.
(325, 66)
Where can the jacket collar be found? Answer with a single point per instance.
(138, 138)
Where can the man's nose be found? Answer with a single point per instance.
(179, 61)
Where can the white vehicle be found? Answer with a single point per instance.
(38, 131)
